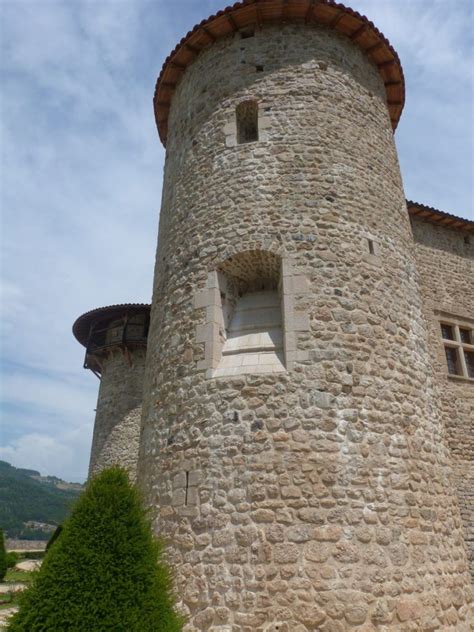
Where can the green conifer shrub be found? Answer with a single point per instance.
(12, 558)
(3, 557)
(105, 572)
(55, 536)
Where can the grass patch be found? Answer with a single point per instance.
(13, 576)
(8, 600)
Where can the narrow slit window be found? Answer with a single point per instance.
(371, 246)
(186, 489)
(247, 122)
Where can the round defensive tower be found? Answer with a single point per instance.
(291, 447)
(115, 339)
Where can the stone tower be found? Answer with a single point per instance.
(291, 448)
(115, 339)
(291, 442)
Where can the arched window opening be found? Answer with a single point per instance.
(247, 122)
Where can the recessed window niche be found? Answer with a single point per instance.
(251, 331)
(248, 121)
(252, 319)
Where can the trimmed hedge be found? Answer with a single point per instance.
(105, 572)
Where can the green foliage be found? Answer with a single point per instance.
(32, 555)
(105, 571)
(23, 498)
(55, 536)
(3, 557)
(23, 577)
(12, 559)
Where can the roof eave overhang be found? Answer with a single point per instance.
(241, 15)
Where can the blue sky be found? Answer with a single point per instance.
(81, 169)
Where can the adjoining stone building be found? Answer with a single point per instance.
(306, 440)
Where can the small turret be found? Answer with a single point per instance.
(115, 339)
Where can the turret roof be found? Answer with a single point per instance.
(82, 325)
(248, 13)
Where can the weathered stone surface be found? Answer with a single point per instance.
(119, 409)
(445, 261)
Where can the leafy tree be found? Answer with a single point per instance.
(105, 572)
(3, 557)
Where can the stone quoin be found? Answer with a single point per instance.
(307, 395)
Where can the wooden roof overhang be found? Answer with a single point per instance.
(82, 327)
(440, 217)
(250, 13)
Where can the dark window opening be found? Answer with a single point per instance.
(469, 357)
(467, 240)
(246, 33)
(371, 246)
(186, 489)
(259, 68)
(247, 122)
(452, 360)
(447, 332)
(465, 336)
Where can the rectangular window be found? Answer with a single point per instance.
(458, 339)
(465, 336)
(447, 332)
(452, 360)
(469, 357)
(247, 122)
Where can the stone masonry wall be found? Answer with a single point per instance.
(446, 266)
(117, 421)
(319, 498)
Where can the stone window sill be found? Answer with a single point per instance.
(460, 378)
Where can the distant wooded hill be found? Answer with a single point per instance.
(28, 497)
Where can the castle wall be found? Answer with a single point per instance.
(117, 423)
(446, 266)
(318, 498)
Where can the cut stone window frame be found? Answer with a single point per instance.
(231, 132)
(370, 247)
(214, 298)
(246, 120)
(457, 335)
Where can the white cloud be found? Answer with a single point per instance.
(66, 453)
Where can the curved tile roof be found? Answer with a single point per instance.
(440, 217)
(248, 13)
